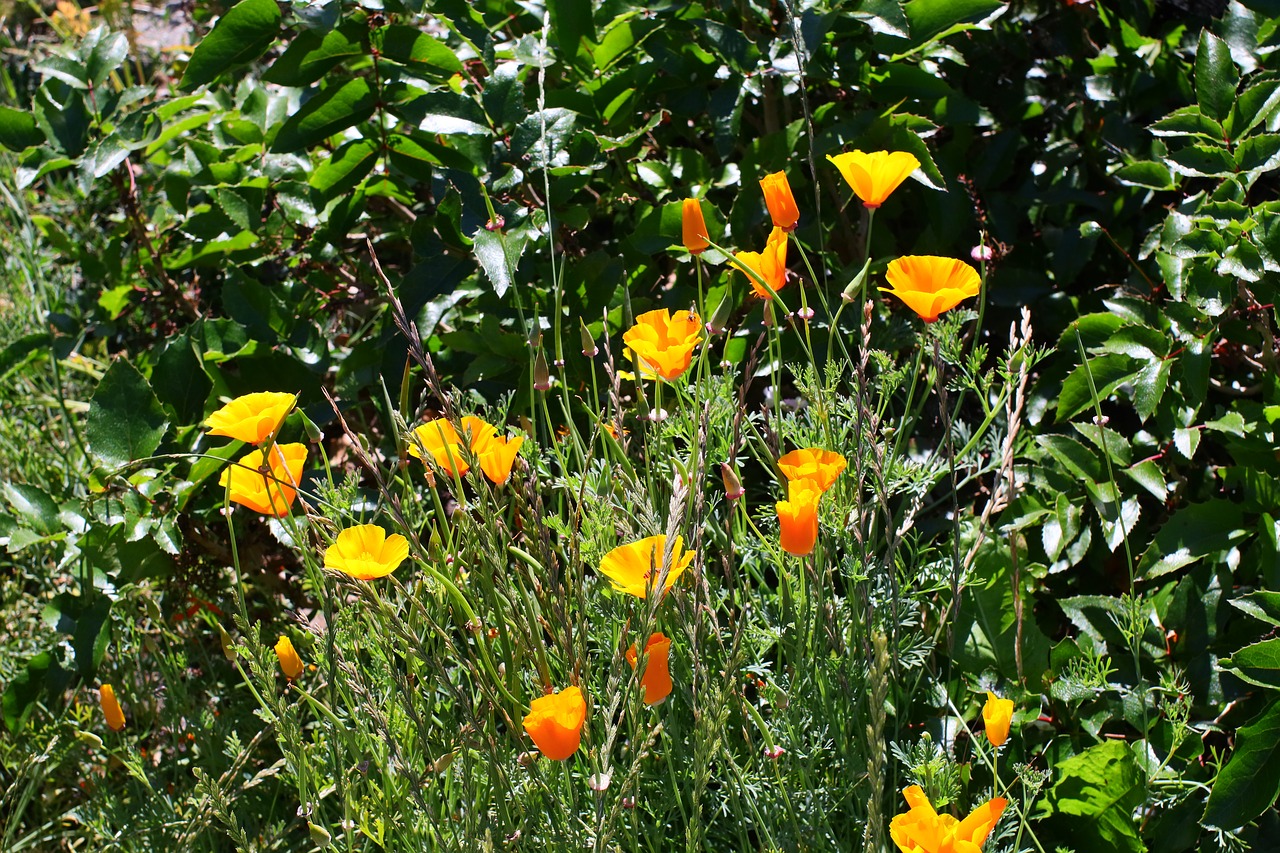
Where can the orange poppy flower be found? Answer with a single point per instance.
(268, 494)
(770, 265)
(798, 518)
(874, 176)
(780, 201)
(656, 678)
(111, 707)
(997, 715)
(663, 343)
(819, 467)
(366, 552)
(634, 568)
(445, 445)
(253, 418)
(496, 455)
(694, 227)
(290, 663)
(555, 723)
(922, 830)
(931, 285)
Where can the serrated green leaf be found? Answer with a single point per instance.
(1255, 105)
(1192, 533)
(242, 35)
(347, 167)
(417, 50)
(931, 18)
(1145, 173)
(498, 253)
(1216, 77)
(312, 54)
(1260, 604)
(1257, 664)
(1260, 153)
(1188, 121)
(1074, 456)
(1107, 372)
(1149, 385)
(33, 506)
(1186, 440)
(1201, 161)
(335, 109)
(1148, 475)
(1248, 784)
(125, 421)
(1095, 795)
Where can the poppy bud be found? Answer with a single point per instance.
(290, 663)
(589, 348)
(228, 645)
(694, 227)
(780, 201)
(720, 317)
(997, 714)
(541, 375)
(732, 485)
(111, 707)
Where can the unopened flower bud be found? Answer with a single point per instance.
(320, 836)
(981, 253)
(589, 348)
(541, 376)
(774, 752)
(228, 645)
(720, 317)
(732, 485)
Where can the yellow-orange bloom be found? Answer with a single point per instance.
(874, 176)
(445, 445)
(922, 830)
(555, 723)
(496, 455)
(770, 265)
(268, 494)
(635, 567)
(253, 418)
(366, 552)
(290, 663)
(694, 227)
(997, 715)
(798, 518)
(813, 464)
(664, 342)
(780, 201)
(656, 678)
(111, 707)
(930, 285)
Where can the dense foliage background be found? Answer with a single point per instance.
(402, 209)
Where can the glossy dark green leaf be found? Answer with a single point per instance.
(498, 253)
(1255, 105)
(1188, 121)
(242, 35)
(179, 380)
(1149, 385)
(930, 18)
(42, 675)
(418, 50)
(1191, 534)
(1248, 784)
(18, 130)
(1216, 77)
(1260, 604)
(33, 507)
(1259, 153)
(86, 623)
(1146, 173)
(108, 52)
(571, 22)
(335, 109)
(312, 54)
(125, 421)
(1258, 664)
(1107, 373)
(347, 167)
(1202, 160)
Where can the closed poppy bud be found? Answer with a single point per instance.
(656, 678)
(694, 227)
(541, 375)
(290, 663)
(111, 707)
(997, 714)
(732, 485)
(720, 317)
(589, 348)
(798, 519)
(228, 645)
(873, 177)
(780, 201)
(555, 723)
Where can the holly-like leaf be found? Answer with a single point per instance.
(1216, 76)
(333, 110)
(1248, 784)
(242, 35)
(1094, 798)
(125, 420)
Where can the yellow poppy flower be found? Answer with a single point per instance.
(253, 418)
(634, 568)
(997, 715)
(798, 518)
(664, 342)
(694, 227)
(819, 467)
(656, 678)
(268, 494)
(874, 176)
(290, 663)
(366, 552)
(111, 707)
(931, 285)
(555, 722)
(780, 201)
(922, 830)
(445, 445)
(770, 265)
